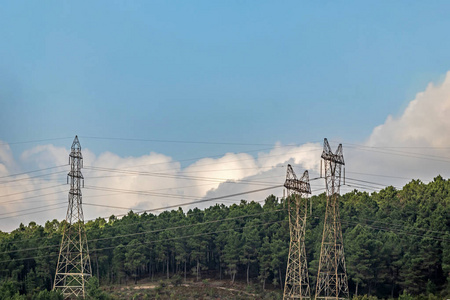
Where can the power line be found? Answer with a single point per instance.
(16, 211)
(122, 225)
(215, 180)
(178, 196)
(33, 171)
(212, 199)
(33, 208)
(198, 158)
(151, 242)
(211, 157)
(187, 203)
(204, 171)
(163, 208)
(379, 175)
(187, 177)
(119, 191)
(227, 219)
(40, 182)
(29, 191)
(150, 231)
(178, 205)
(221, 231)
(364, 186)
(397, 147)
(403, 225)
(200, 234)
(209, 200)
(127, 191)
(153, 193)
(186, 226)
(31, 197)
(184, 141)
(34, 212)
(398, 231)
(365, 181)
(178, 176)
(405, 154)
(214, 163)
(34, 141)
(131, 209)
(166, 196)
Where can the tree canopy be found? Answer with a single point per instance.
(397, 243)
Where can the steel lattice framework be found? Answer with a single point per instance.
(297, 281)
(74, 265)
(332, 280)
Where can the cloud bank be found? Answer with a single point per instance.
(412, 145)
(425, 121)
(149, 182)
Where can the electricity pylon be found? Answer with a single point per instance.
(74, 265)
(296, 285)
(332, 280)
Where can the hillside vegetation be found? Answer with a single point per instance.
(397, 243)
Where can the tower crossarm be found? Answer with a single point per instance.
(331, 280)
(298, 185)
(74, 265)
(327, 154)
(297, 282)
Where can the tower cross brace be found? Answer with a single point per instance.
(297, 281)
(74, 265)
(332, 282)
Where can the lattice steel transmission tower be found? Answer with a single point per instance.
(74, 265)
(332, 280)
(297, 281)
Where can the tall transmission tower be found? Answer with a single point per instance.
(332, 280)
(74, 265)
(297, 281)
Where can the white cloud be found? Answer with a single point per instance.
(134, 186)
(425, 122)
(44, 155)
(156, 180)
(7, 164)
(305, 155)
(413, 145)
(146, 182)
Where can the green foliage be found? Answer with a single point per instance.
(8, 289)
(176, 280)
(134, 258)
(48, 295)
(397, 245)
(364, 297)
(94, 291)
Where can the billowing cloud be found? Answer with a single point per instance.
(412, 145)
(425, 121)
(44, 155)
(147, 182)
(238, 173)
(6, 159)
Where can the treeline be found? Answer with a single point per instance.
(397, 242)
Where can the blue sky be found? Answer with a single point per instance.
(225, 71)
(235, 75)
